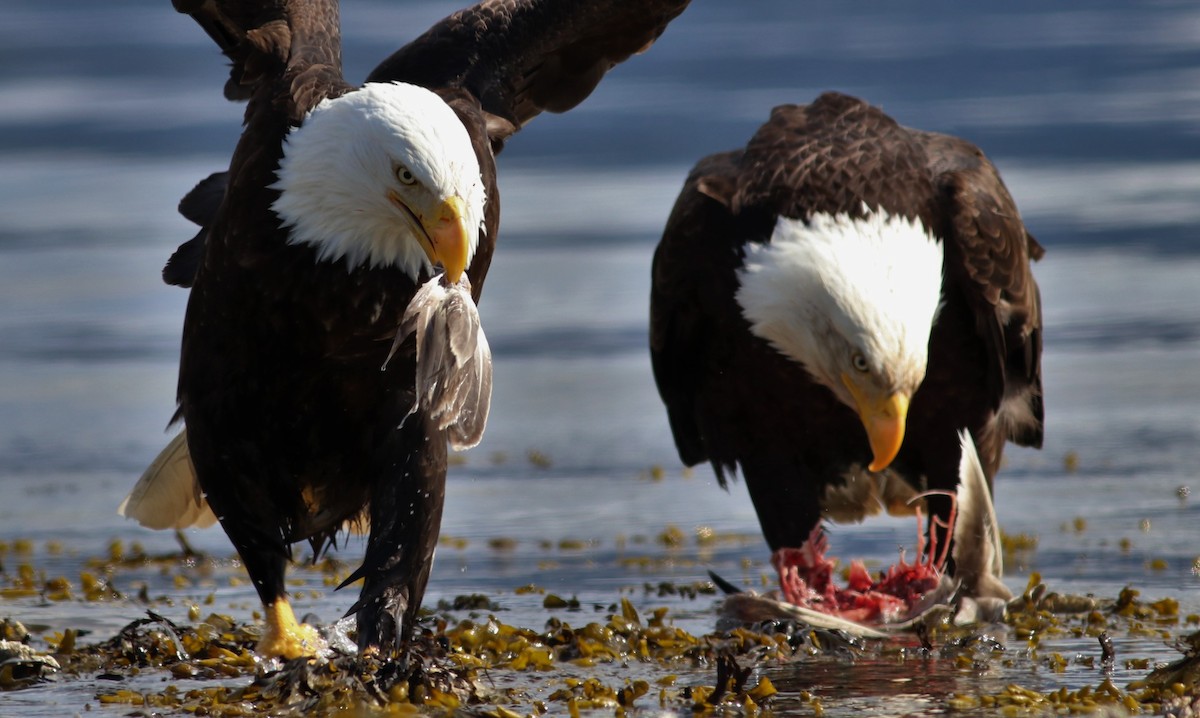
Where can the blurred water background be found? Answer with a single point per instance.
(110, 112)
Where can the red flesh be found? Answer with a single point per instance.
(806, 579)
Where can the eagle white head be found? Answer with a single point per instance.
(853, 300)
(383, 176)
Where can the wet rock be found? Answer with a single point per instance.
(22, 666)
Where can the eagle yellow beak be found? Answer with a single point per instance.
(444, 234)
(884, 419)
(451, 238)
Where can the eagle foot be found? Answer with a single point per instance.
(287, 638)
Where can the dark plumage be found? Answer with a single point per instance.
(292, 427)
(736, 400)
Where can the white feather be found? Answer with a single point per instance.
(978, 555)
(339, 164)
(823, 289)
(454, 361)
(1016, 412)
(168, 496)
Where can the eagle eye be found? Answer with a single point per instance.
(405, 175)
(859, 362)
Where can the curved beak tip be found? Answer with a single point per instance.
(885, 425)
(879, 463)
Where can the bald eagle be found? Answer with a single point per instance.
(298, 385)
(830, 306)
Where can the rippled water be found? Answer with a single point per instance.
(110, 112)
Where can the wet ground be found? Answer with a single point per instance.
(581, 572)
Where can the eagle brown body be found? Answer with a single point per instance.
(735, 401)
(294, 426)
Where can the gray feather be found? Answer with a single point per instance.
(454, 361)
(978, 557)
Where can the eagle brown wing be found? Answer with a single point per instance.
(524, 57)
(199, 207)
(262, 39)
(835, 155)
(285, 58)
(693, 280)
(995, 251)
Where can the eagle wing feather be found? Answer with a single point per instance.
(525, 57)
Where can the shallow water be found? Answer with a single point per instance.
(111, 112)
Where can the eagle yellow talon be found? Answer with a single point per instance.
(286, 638)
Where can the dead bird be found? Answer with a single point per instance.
(903, 596)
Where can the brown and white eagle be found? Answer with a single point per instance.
(830, 306)
(298, 386)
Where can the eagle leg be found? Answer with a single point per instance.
(265, 559)
(283, 636)
(406, 517)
